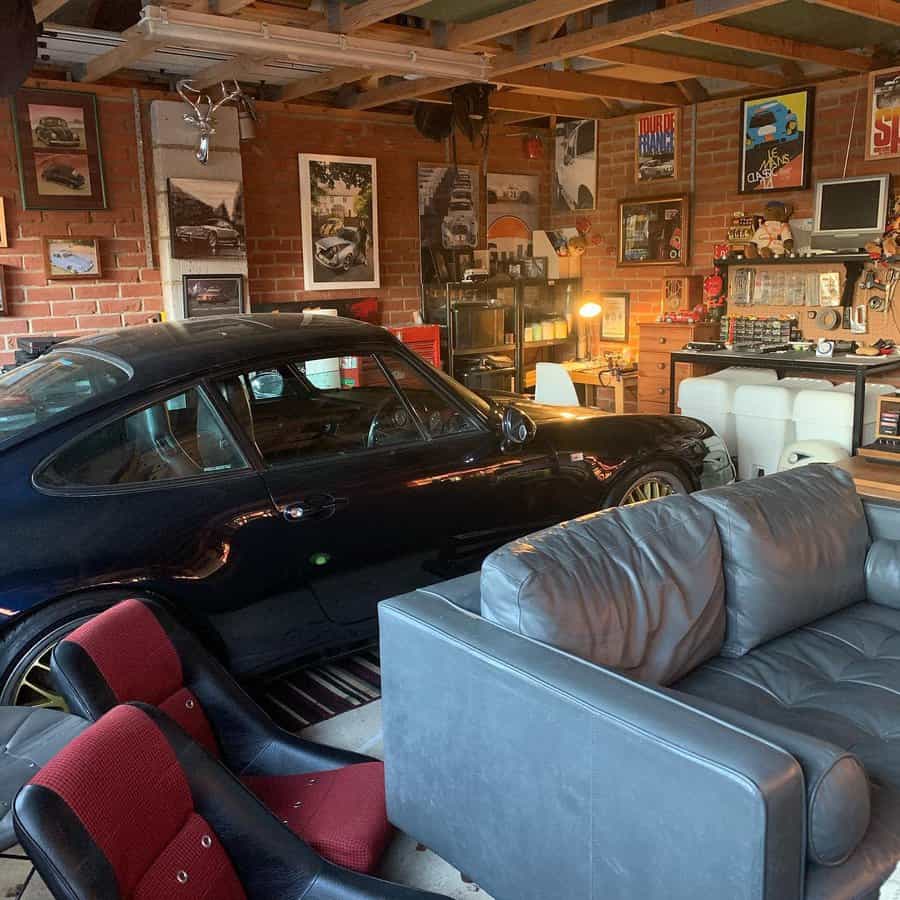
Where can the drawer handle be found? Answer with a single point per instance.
(662, 340)
(660, 365)
(660, 390)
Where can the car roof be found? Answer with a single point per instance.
(170, 351)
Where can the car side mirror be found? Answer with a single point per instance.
(516, 427)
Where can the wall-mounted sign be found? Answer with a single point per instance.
(654, 232)
(883, 128)
(656, 137)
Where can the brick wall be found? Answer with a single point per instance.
(128, 293)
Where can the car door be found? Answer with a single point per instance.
(375, 470)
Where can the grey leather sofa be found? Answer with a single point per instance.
(693, 698)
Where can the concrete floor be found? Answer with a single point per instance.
(360, 730)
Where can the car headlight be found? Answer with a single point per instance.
(718, 469)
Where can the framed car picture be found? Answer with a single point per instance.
(4, 234)
(69, 258)
(58, 148)
(614, 317)
(449, 218)
(776, 141)
(206, 219)
(4, 305)
(213, 295)
(339, 213)
(883, 125)
(654, 232)
(575, 166)
(656, 145)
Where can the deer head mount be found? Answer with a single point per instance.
(204, 109)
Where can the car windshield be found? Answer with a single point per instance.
(348, 234)
(761, 119)
(50, 386)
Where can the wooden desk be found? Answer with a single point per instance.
(594, 377)
(876, 480)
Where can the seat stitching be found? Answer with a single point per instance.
(836, 637)
(746, 680)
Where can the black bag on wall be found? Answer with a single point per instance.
(18, 44)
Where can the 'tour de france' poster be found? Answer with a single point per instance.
(656, 145)
(776, 142)
(883, 132)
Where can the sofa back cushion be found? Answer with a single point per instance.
(794, 550)
(638, 589)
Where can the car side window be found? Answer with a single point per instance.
(438, 415)
(180, 437)
(319, 407)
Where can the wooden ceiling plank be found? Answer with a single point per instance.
(369, 12)
(687, 65)
(535, 13)
(547, 106)
(230, 7)
(624, 31)
(401, 90)
(135, 47)
(774, 45)
(880, 10)
(589, 85)
(235, 69)
(326, 81)
(693, 91)
(43, 9)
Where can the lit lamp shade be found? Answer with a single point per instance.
(589, 313)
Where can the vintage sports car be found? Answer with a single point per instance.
(576, 176)
(62, 174)
(770, 122)
(54, 131)
(215, 234)
(340, 250)
(71, 262)
(270, 478)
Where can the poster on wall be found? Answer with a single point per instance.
(656, 137)
(58, 148)
(449, 205)
(883, 130)
(213, 295)
(575, 166)
(776, 139)
(513, 213)
(654, 232)
(339, 211)
(614, 317)
(206, 219)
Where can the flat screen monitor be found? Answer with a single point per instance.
(849, 212)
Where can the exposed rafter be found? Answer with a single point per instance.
(221, 7)
(135, 47)
(880, 10)
(43, 9)
(773, 45)
(401, 90)
(535, 13)
(327, 81)
(547, 106)
(687, 66)
(352, 18)
(693, 91)
(238, 68)
(587, 85)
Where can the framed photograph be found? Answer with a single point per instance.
(883, 125)
(206, 219)
(776, 136)
(513, 212)
(68, 258)
(575, 166)
(449, 214)
(536, 267)
(656, 145)
(654, 232)
(58, 148)
(4, 305)
(213, 295)
(4, 235)
(614, 316)
(339, 210)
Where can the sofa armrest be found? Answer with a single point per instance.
(883, 573)
(541, 775)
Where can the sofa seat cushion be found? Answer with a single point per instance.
(638, 589)
(793, 548)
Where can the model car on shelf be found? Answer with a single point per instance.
(341, 250)
(215, 234)
(54, 131)
(683, 317)
(65, 175)
(270, 478)
(74, 263)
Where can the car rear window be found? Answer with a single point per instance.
(41, 390)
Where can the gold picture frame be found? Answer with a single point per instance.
(68, 258)
(4, 234)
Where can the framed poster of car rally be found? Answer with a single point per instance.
(654, 232)
(58, 148)
(656, 144)
(883, 120)
(339, 212)
(776, 142)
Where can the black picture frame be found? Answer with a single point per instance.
(206, 218)
(58, 150)
(759, 155)
(654, 231)
(615, 328)
(213, 295)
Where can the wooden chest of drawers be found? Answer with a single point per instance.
(656, 343)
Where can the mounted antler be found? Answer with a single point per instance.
(203, 111)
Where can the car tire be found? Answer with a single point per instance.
(650, 481)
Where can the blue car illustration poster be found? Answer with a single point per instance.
(775, 137)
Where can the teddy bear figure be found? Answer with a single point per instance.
(774, 236)
(888, 245)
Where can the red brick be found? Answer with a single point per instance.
(50, 293)
(74, 308)
(56, 323)
(99, 322)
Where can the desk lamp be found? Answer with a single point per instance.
(588, 313)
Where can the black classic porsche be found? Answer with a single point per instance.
(272, 477)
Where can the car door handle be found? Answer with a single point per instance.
(317, 506)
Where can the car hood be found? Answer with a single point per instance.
(326, 243)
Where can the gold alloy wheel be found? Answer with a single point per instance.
(651, 487)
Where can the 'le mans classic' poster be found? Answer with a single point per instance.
(776, 142)
(883, 132)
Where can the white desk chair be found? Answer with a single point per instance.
(554, 386)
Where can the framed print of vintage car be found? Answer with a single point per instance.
(206, 219)
(654, 232)
(58, 147)
(68, 258)
(213, 295)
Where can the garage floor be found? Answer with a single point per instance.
(360, 730)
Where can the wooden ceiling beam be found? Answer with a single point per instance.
(586, 84)
(43, 9)
(687, 65)
(369, 12)
(880, 10)
(519, 17)
(326, 81)
(135, 47)
(400, 90)
(544, 106)
(693, 91)
(773, 45)
(237, 68)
